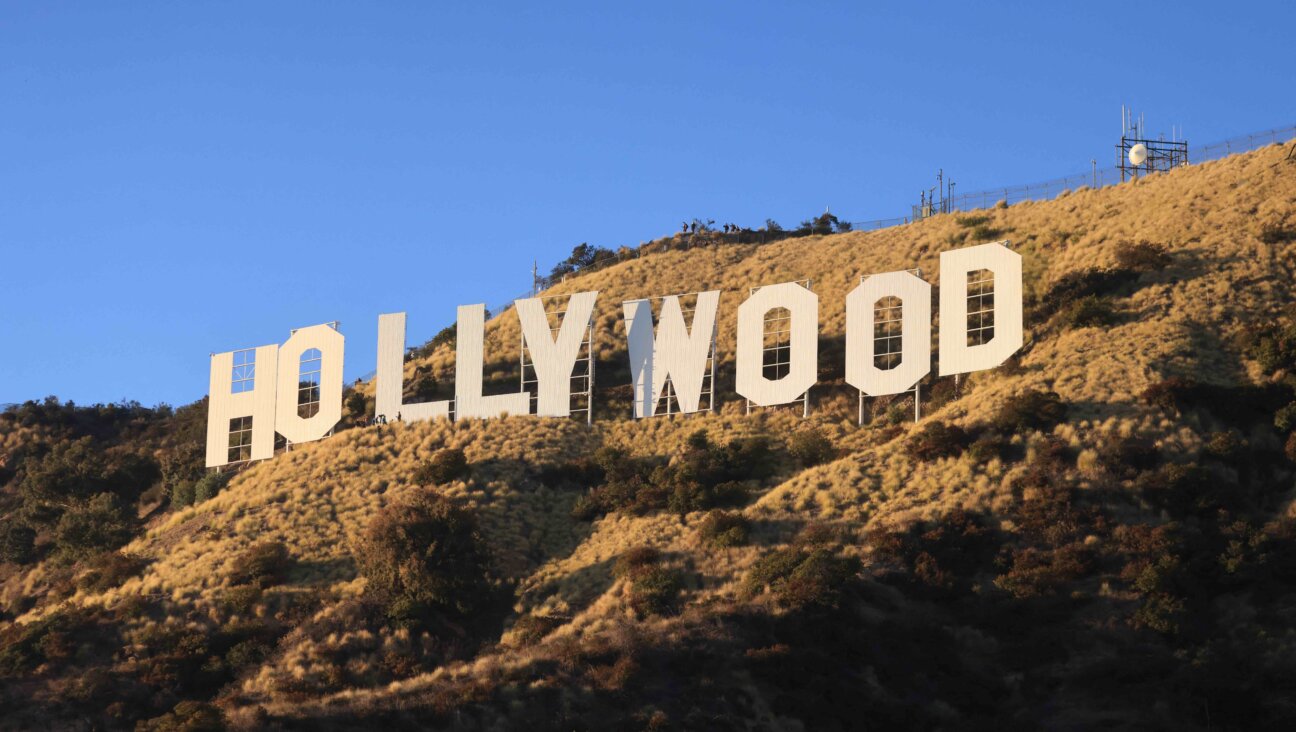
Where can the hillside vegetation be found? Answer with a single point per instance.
(1099, 533)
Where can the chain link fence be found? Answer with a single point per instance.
(1041, 191)
(1102, 177)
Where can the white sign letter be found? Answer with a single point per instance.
(241, 406)
(310, 383)
(554, 358)
(914, 333)
(981, 315)
(390, 377)
(469, 363)
(675, 353)
(803, 308)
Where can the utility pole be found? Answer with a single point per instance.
(535, 278)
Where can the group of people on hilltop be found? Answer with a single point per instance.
(696, 226)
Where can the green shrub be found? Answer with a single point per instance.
(52, 638)
(1032, 409)
(588, 507)
(187, 716)
(818, 579)
(1091, 311)
(240, 599)
(181, 493)
(209, 485)
(582, 472)
(942, 553)
(248, 653)
(1170, 394)
(824, 223)
(1035, 572)
(1226, 446)
(1161, 612)
(1186, 489)
(772, 568)
(79, 471)
(445, 466)
(17, 542)
(655, 591)
(989, 446)
(447, 336)
(701, 477)
(531, 629)
(800, 577)
(583, 256)
(1085, 283)
(262, 565)
(110, 569)
(425, 558)
(1273, 347)
(356, 403)
(810, 447)
(20, 648)
(1054, 516)
(95, 687)
(97, 525)
(425, 387)
(192, 492)
(689, 496)
(985, 232)
(724, 529)
(1285, 418)
(1129, 455)
(818, 533)
(1141, 256)
(637, 559)
(936, 440)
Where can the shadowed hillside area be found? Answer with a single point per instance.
(1097, 534)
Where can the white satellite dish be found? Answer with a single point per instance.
(1138, 154)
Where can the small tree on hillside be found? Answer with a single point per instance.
(97, 525)
(824, 223)
(446, 465)
(582, 257)
(424, 559)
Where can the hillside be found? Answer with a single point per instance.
(1099, 533)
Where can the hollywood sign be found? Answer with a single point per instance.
(295, 389)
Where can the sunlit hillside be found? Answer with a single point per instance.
(1014, 532)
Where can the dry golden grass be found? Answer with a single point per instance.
(317, 498)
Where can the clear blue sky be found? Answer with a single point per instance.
(183, 178)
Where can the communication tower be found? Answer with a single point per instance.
(930, 204)
(1137, 155)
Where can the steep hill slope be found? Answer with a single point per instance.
(1042, 532)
